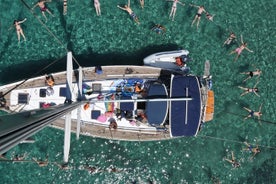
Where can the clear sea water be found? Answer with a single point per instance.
(114, 39)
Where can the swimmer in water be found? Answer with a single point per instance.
(43, 8)
(159, 29)
(19, 30)
(230, 39)
(253, 150)
(174, 7)
(198, 14)
(254, 90)
(233, 161)
(239, 50)
(253, 114)
(97, 6)
(142, 3)
(130, 12)
(252, 74)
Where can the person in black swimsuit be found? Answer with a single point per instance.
(254, 90)
(198, 14)
(230, 39)
(234, 163)
(252, 74)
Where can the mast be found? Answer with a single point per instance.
(79, 108)
(67, 125)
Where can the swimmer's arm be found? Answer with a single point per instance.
(248, 49)
(256, 94)
(183, 4)
(241, 39)
(35, 6)
(128, 3)
(11, 27)
(260, 108)
(22, 21)
(121, 7)
(194, 5)
(256, 84)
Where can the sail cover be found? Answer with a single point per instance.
(157, 111)
(185, 116)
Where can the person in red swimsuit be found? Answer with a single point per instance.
(43, 7)
(19, 30)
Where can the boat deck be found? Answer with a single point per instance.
(94, 130)
(109, 72)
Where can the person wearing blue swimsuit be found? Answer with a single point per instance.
(253, 150)
(130, 12)
(159, 29)
(253, 114)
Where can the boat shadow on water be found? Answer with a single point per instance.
(34, 68)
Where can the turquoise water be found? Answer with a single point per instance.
(114, 38)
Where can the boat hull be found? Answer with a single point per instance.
(98, 108)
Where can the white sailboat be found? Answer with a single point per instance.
(133, 103)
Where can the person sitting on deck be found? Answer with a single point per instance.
(98, 70)
(138, 88)
(3, 101)
(50, 81)
(113, 124)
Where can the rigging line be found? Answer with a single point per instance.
(49, 31)
(229, 140)
(76, 60)
(265, 121)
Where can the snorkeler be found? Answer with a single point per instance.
(239, 50)
(97, 6)
(234, 163)
(198, 14)
(159, 29)
(250, 148)
(230, 39)
(253, 113)
(43, 7)
(19, 30)
(254, 90)
(130, 12)
(252, 74)
(174, 6)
